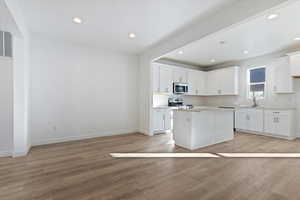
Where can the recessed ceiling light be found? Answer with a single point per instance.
(180, 52)
(245, 52)
(212, 60)
(77, 20)
(273, 16)
(131, 35)
(297, 39)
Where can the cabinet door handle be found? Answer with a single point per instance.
(247, 117)
(276, 120)
(196, 91)
(275, 88)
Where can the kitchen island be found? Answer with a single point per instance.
(202, 126)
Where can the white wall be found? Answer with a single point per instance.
(80, 92)
(21, 44)
(22, 141)
(6, 106)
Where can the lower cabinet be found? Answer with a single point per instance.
(279, 123)
(269, 122)
(162, 120)
(249, 119)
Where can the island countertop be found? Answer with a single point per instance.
(204, 108)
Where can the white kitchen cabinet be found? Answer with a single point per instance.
(249, 120)
(155, 75)
(266, 122)
(255, 120)
(179, 75)
(158, 121)
(212, 83)
(280, 123)
(165, 79)
(162, 120)
(283, 81)
(223, 81)
(167, 120)
(228, 81)
(241, 119)
(223, 121)
(197, 82)
(294, 63)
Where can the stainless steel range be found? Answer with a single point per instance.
(175, 101)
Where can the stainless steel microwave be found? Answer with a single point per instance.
(180, 88)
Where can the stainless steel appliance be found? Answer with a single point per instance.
(180, 88)
(175, 101)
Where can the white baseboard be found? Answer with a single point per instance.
(83, 136)
(21, 153)
(145, 132)
(5, 153)
(265, 134)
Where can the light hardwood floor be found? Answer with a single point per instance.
(84, 170)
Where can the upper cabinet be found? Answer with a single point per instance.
(162, 78)
(179, 75)
(165, 79)
(294, 63)
(216, 82)
(283, 81)
(213, 83)
(155, 75)
(228, 80)
(197, 82)
(223, 81)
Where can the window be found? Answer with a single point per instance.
(5, 44)
(256, 82)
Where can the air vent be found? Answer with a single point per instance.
(5, 44)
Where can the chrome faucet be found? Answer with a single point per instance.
(254, 100)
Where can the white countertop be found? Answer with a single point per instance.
(201, 108)
(204, 108)
(165, 107)
(266, 107)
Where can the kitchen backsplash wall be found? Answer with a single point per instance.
(162, 100)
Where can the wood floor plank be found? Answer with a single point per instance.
(84, 170)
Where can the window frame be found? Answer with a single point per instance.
(250, 84)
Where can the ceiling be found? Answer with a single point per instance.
(7, 22)
(107, 23)
(258, 36)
